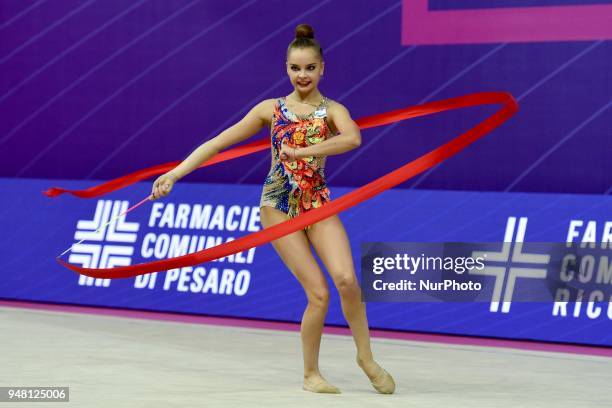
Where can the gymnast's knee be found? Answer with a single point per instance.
(347, 285)
(319, 297)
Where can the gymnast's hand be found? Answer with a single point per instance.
(163, 185)
(287, 153)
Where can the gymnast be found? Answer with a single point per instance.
(305, 127)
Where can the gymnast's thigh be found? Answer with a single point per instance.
(294, 250)
(330, 240)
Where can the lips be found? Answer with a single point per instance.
(304, 83)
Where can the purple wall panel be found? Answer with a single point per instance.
(95, 89)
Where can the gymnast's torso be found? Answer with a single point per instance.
(295, 187)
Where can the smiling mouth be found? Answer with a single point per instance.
(303, 83)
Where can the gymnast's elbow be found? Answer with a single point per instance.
(356, 140)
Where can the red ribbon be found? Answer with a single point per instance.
(508, 108)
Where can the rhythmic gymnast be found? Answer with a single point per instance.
(305, 127)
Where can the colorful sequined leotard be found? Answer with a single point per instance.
(296, 186)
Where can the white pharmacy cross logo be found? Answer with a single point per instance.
(112, 245)
(511, 273)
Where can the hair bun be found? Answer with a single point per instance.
(304, 31)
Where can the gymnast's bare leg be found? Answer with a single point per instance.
(294, 250)
(330, 240)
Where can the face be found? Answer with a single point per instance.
(304, 68)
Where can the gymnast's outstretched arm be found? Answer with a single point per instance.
(245, 128)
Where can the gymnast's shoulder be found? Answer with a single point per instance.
(336, 109)
(265, 108)
(340, 120)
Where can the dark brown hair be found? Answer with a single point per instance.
(304, 38)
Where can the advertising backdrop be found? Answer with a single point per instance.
(256, 284)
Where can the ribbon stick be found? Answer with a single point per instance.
(109, 222)
(508, 108)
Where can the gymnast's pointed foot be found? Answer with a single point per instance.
(380, 379)
(316, 383)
